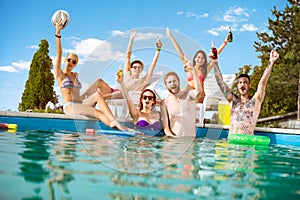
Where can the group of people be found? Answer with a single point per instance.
(177, 116)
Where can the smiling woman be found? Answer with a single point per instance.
(70, 87)
(145, 117)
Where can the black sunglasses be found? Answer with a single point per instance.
(145, 97)
(137, 67)
(73, 61)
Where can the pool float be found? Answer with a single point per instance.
(249, 139)
(91, 131)
(8, 126)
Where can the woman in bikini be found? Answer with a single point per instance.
(199, 62)
(144, 117)
(70, 87)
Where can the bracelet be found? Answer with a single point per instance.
(58, 36)
(225, 42)
(158, 48)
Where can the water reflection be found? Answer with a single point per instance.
(141, 154)
(156, 168)
(36, 152)
(64, 154)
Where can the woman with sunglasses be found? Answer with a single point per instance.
(145, 117)
(70, 87)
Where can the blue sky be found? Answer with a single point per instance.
(97, 27)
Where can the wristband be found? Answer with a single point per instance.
(58, 36)
(225, 42)
(158, 48)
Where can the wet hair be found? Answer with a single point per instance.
(136, 61)
(142, 94)
(244, 75)
(171, 74)
(203, 68)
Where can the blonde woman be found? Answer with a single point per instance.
(70, 87)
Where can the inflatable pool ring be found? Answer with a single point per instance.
(249, 139)
(8, 126)
(61, 15)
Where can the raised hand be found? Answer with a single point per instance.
(169, 34)
(158, 44)
(133, 33)
(188, 65)
(273, 56)
(59, 26)
(119, 76)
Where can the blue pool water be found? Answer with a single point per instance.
(67, 165)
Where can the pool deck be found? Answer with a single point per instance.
(77, 123)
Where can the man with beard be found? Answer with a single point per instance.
(179, 107)
(245, 109)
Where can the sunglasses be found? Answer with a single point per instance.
(73, 61)
(145, 97)
(137, 67)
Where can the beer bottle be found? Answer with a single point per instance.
(230, 36)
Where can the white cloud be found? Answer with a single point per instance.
(145, 36)
(92, 49)
(22, 65)
(8, 69)
(192, 15)
(237, 14)
(16, 66)
(216, 31)
(248, 27)
(234, 16)
(213, 32)
(118, 32)
(179, 13)
(33, 47)
(87, 46)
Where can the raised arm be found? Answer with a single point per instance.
(188, 65)
(176, 45)
(154, 62)
(223, 86)
(58, 71)
(129, 51)
(220, 49)
(132, 108)
(261, 88)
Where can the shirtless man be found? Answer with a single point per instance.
(178, 108)
(245, 109)
(132, 71)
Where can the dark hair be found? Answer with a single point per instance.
(142, 94)
(244, 75)
(203, 68)
(136, 61)
(171, 74)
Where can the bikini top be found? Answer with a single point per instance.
(145, 125)
(67, 83)
(190, 77)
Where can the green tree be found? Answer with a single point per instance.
(282, 87)
(39, 85)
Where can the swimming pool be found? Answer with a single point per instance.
(63, 164)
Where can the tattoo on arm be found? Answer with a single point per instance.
(223, 86)
(263, 81)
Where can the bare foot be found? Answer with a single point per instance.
(116, 124)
